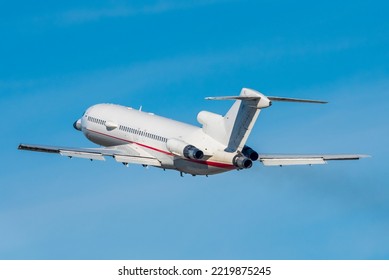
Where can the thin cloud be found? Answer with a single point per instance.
(86, 15)
(119, 81)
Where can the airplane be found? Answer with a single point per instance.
(132, 136)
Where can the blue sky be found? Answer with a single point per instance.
(57, 59)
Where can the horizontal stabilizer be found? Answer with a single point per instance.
(234, 98)
(285, 99)
(271, 98)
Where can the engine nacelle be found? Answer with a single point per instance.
(183, 149)
(213, 125)
(242, 162)
(209, 118)
(250, 153)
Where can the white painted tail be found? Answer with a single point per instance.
(234, 128)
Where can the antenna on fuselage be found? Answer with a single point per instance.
(140, 108)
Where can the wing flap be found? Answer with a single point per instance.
(138, 160)
(281, 160)
(290, 161)
(91, 156)
(128, 153)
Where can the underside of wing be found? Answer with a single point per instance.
(128, 153)
(281, 160)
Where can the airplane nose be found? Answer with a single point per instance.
(77, 125)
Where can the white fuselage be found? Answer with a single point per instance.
(134, 137)
(112, 125)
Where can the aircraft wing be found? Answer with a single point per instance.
(281, 160)
(128, 153)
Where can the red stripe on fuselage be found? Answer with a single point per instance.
(213, 163)
(209, 163)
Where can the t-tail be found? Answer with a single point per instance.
(234, 128)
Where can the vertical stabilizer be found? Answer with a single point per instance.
(235, 127)
(241, 118)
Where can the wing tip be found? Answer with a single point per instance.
(22, 146)
(365, 156)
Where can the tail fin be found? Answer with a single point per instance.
(241, 118)
(234, 128)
